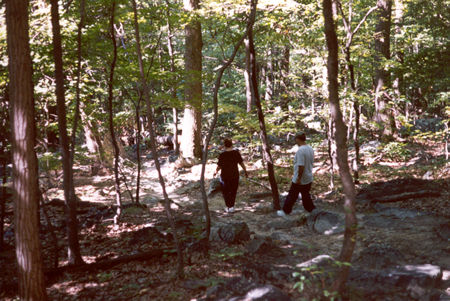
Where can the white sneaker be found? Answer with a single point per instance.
(281, 213)
(230, 210)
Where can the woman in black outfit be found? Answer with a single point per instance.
(229, 177)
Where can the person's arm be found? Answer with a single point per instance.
(301, 168)
(217, 171)
(243, 167)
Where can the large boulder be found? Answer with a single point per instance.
(231, 233)
(409, 282)
(326, 222)
(379, 256)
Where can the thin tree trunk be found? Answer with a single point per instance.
(25, 165)
(269, 76)
(383, 116)
(173, 88)
(216, 88)
(138, 150)
(248, 82)
(110, 117)
(3, 199)
(262, 124)
(77, 84)
(74, 255)
(180, 265)
(191, 137)
(331, 150)
(341, 144)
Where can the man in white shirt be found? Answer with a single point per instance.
(302, 179)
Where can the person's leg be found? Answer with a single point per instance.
(233, 188)
(291, 198)
(306, 197)
(225, 191)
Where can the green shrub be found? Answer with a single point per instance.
(397, 151)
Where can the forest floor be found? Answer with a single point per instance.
(411, 233)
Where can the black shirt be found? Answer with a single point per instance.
(228, 162)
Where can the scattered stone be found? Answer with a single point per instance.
(428, 175)
(189, 187)
(231, 233)
(261, 245)
(282, 223)
(214, 186)
(266, 292)
(147, 235)
(194, 284)
(379, 256)
(326, 222)
(370, 147)
(321, 261)
(414, 282)
(443, 230)
(281, 237)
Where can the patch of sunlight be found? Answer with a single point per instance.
(89, 259)
(228, 274)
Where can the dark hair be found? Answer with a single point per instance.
(301, 136)
(227, 142)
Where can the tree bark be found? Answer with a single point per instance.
(248, 82)
(74, 255)
(341, 144)
(216, 88)
(191, 137)
(269, 74)
(25, 165)
(262, 124)
(77, 84)
(180, 265)
(173, 88)
(383, 116)
(110, 117)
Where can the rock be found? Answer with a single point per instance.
(261, 245)
(189, 187)
(150, 200)
(443, 231)
(321, 261)
(147, 235)
(214, 186)
(379, 256)
(428, 175)
(194, 284)
(263, 293)
(415, 282)
(370, 147)
(242, 289)
(396, 212)
(231, 233)
(281, 237)
(173, 158)
(281, 274)
(326, 222)
(282, 223)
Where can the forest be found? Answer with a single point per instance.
(117, 119)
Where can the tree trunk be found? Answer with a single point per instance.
(77, 84)
(3, 200)
(262, 124)
(180, 265)
(383, 116)
(138, 149)
(284, 74)
(173, 88)
(341, 144)
(248, 82)
(399, 55)
(74, 255)
(217, 83)
(192, 121)
(269, 77)
(25, 165)
(110, 117)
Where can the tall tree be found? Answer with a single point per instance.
(74, 254)
(350, 33)
(341, 145)
(180, 265)
(25, 166)
(262, 124)
(383, 116)
(111, 113)
(172, 70)
(190, 146)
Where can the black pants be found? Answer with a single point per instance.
(292, 196)
(229, 190)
